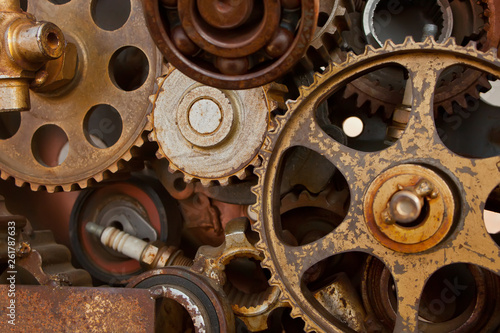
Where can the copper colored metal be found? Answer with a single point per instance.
(69, 97)
(232, 45)
(76, 309)
(26, 46)
(470, 181)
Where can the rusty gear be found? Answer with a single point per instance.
(252, 308)
(327, 41)
(79, 134)
(211, 134)
(232, 45)
(384, 90)
(471, 181)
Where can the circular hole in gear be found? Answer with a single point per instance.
(129, 68)
(449, 293)
(55, 2)
(102, 126)
(491, 215)
(110, 14)
(9, 124)
(47, 144)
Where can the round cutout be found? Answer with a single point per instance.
(102, 126)
(48, 144)
(128, 68)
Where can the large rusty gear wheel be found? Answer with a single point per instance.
(98, 115)
(211, 134)
(380, 91)
(461, 187)
(232, 45)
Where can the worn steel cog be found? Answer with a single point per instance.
(460, 187)
(211, 134)
(81, 131)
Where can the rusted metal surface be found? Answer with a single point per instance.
(91, 149)
(232, 51)
(27, 45)
(473, 180)
(477, 24)
(205, 302)
(207, 133)
(252, 308)
(78, 309)
(379, 300)
(430, 228)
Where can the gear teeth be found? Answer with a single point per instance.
(450, 42)
(242, 174)
(152, 99)
(484, 82)
(461, 101)
(206, 182)
(408, 41)
(389, 45)
(171, 167)
(429, 41)
(261, 226)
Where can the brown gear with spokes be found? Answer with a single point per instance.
(87, 121)
(429, 172)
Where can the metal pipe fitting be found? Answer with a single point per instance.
(26, 46)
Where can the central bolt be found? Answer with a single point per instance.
(205, 116)
(405, 206)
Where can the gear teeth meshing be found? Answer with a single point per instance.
(274, 94)
(261, 207)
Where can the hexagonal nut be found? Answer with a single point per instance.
(59, 72)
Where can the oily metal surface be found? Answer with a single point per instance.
(67, 109)
(467, 242)
(76, 309)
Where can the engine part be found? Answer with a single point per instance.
(327, 41)
(139, 207)
(252, 308)
(232, 45)
(436, 12)
(469, 183)
(82, 129)
(384, 88)
(207, 133)
(42, 261)
(237, 193)
(27, 45)
(478, 315)
(151, 255)
(176, 287)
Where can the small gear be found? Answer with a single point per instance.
(82, 131)
(289, 262)
(208, 133)
(325, 45)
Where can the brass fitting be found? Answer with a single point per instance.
(26, 46)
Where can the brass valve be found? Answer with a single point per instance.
(26, 45)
